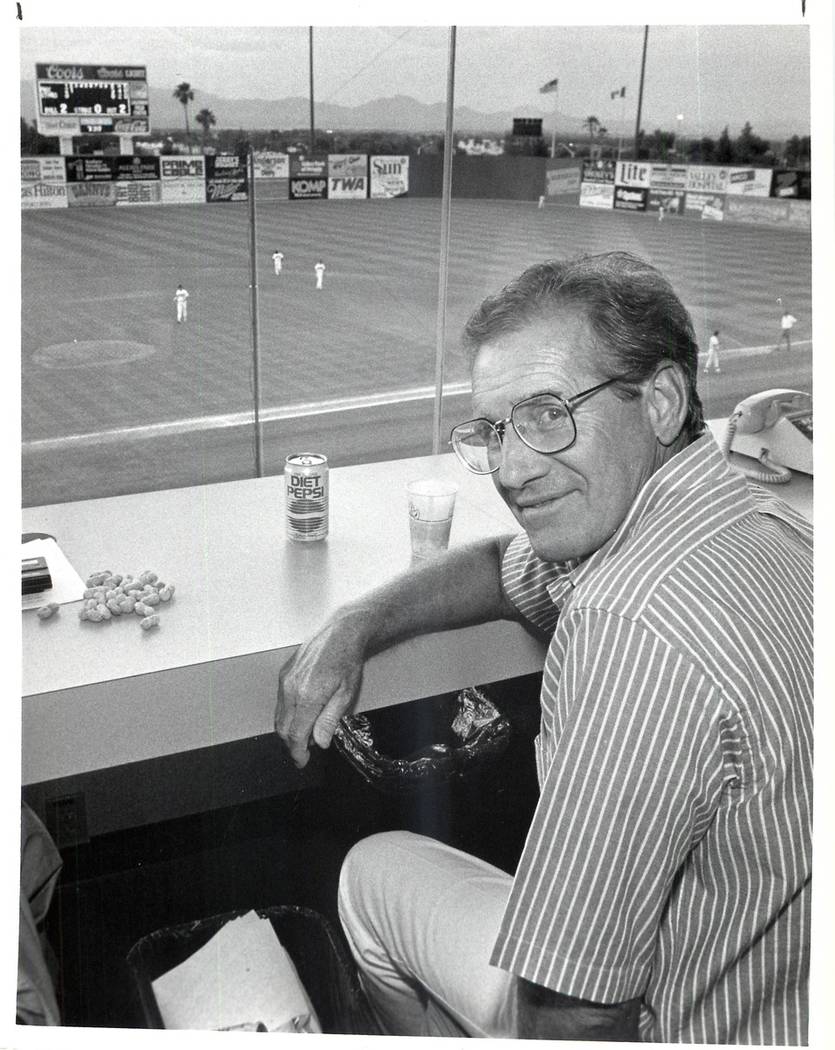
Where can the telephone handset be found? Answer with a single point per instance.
(774, 427)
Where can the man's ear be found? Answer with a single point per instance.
(667, 401)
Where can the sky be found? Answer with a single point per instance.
(711, 74)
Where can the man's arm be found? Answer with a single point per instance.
(545, 1014)
(320, 683)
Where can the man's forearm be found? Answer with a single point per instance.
(321, 682)
(463, 587)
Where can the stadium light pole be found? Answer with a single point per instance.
(253, 292)
(641, 92)
(310, 50)
(680, 135)
(443, 269)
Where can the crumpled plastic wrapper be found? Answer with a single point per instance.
(469, 729)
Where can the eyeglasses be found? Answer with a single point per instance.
(543, 422)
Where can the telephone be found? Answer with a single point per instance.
(774, 427)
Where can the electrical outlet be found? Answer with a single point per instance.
(66, 819)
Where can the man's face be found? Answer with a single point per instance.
(569, 503)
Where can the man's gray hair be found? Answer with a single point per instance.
(630, 305)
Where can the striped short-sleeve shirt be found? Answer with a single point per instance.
(669, 858)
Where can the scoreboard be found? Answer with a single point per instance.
(73, 99)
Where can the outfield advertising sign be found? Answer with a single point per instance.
(226, 178)
(43, 169)
(596, 194)
(111, 169)
(89, 169)
(347, 187)
(753, 182)
(706, 179)
(43, 183)
(563, 182)
(599, 171)
(389, 177)
(629, 198)
(348, 176)
(183, 191)
(672, 203)
(137, 169)
(91, 194)
(792, 184)
(308, 187)
(183, 180)
(672, 177)
(308, 178)
(139, 192)
(271, 165)
(632, 173)
(42, 195)
(308, 166)
(768, 211)
(182, 167)
(706, 205)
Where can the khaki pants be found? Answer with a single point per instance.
(421, 919)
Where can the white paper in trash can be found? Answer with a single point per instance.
(242, 975)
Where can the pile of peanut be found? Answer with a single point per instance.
(108, 594)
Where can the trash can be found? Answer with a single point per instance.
(444, 739)
(322, 960)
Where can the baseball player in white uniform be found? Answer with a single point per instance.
(320, 273)
(181, 299)
(787, 322)
(278, 259)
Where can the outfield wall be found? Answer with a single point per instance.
(711, 192)
(496, 178)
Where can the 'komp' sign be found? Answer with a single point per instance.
(308, 187)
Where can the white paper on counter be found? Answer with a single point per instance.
(242, 975)
(67, 585)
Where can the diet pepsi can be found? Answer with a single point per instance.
(306, 496)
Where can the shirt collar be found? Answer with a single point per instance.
(699, 468)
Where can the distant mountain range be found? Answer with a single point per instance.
(400, 113)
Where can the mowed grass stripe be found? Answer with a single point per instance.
(111, 273)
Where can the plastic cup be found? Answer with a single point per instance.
(431, 504)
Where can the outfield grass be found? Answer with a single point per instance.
(106, 278)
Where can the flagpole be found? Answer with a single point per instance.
(552, 85)
(554, 132)
(622, 108)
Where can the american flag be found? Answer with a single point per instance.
(617, 93)
(550, 86)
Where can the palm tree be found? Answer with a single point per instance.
(206, 119)
(183, 93)
(592, 124)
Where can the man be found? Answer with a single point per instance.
(713, 353)
(320, 273)
(663, 890)
(181, 299)
(787, 322)
(278, 259)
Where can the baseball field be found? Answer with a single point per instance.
(109, 376)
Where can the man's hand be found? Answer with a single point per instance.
(318, 685)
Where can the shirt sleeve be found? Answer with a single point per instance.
(525, 579)
(631, 784)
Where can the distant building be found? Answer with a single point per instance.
(481, 147)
